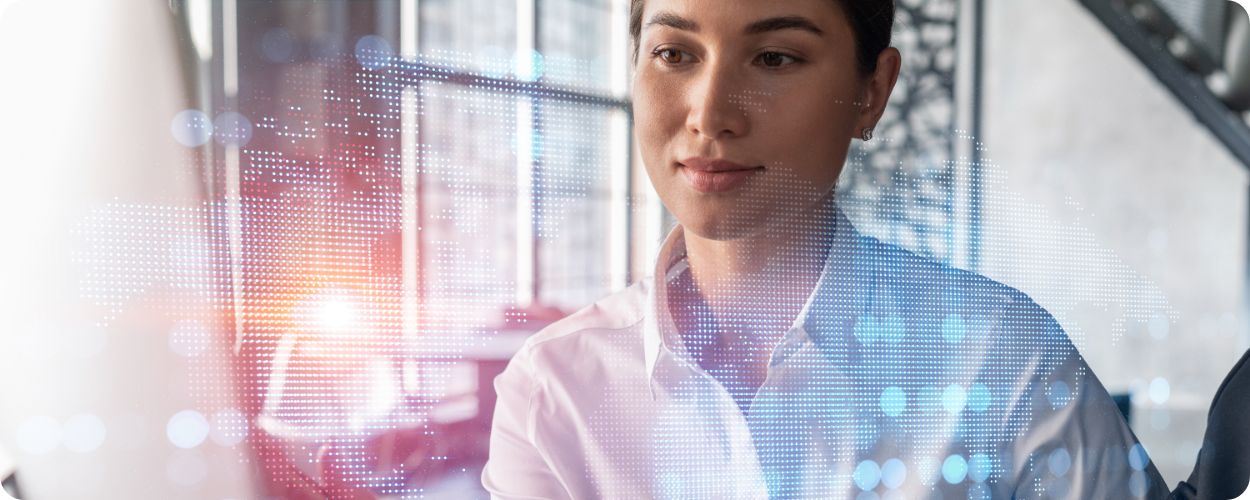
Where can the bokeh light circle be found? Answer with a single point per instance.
(528, 71)
(954, 328)
(954, 398)
(187, 429)
(867, 475)
(279, 45)
(191, 128)
(954, 469)
(893, 401)
(1160, 390)
(1059, 394)
(1138, 484)
(38, 435)
(1138, 459)
(1059, 461)
(979, 467)
(374, 52)
(83, 433)
(1158, 326)
(893, 329)
(893, 473)
(232, 129)
(866, 329)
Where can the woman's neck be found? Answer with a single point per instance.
(757, 285)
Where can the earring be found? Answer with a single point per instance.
(867, 134)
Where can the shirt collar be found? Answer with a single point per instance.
(659, 330)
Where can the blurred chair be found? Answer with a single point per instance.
(1223, 468)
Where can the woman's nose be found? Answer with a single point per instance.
(714, 113)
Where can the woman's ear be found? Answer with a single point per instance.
(878, 87)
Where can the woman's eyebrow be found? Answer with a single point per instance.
(673, 21)
(782, 23)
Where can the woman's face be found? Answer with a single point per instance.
(745, 109)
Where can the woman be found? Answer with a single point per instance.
(777, 352)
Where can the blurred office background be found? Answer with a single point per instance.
(279, 249)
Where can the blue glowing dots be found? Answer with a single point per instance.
(1059, 461)
(373, 52)
(1138, 459)
(866, 329)
(979, 491)
(893, 473)
(954, 469)
(1160, 390)
(529, 66)
(191, 128)
(38, 435)
(978, 397)
(930, 398)
(228, 427)
(232, 129)
(187, 429)
(867, 475)
(83, 433)
(979, 467)
(954, 328)
(954, 398)
(1059, 394)
(279, 45)
(928, 469)
(493, 61)
(893, 329)
(893, 401)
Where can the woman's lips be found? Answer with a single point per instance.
(715, 176)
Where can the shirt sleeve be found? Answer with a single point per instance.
(1079, 445)
(516, 468)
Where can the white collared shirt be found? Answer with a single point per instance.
(900, 378)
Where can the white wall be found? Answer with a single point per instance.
(1109, 204)
(101, 216)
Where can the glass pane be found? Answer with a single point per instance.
(479, 35)
(573, 38)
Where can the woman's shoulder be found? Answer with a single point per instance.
(622, 310)
(927, 283)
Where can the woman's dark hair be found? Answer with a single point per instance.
(872, 23)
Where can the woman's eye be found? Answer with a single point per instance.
(774, 59)
(671, 56)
